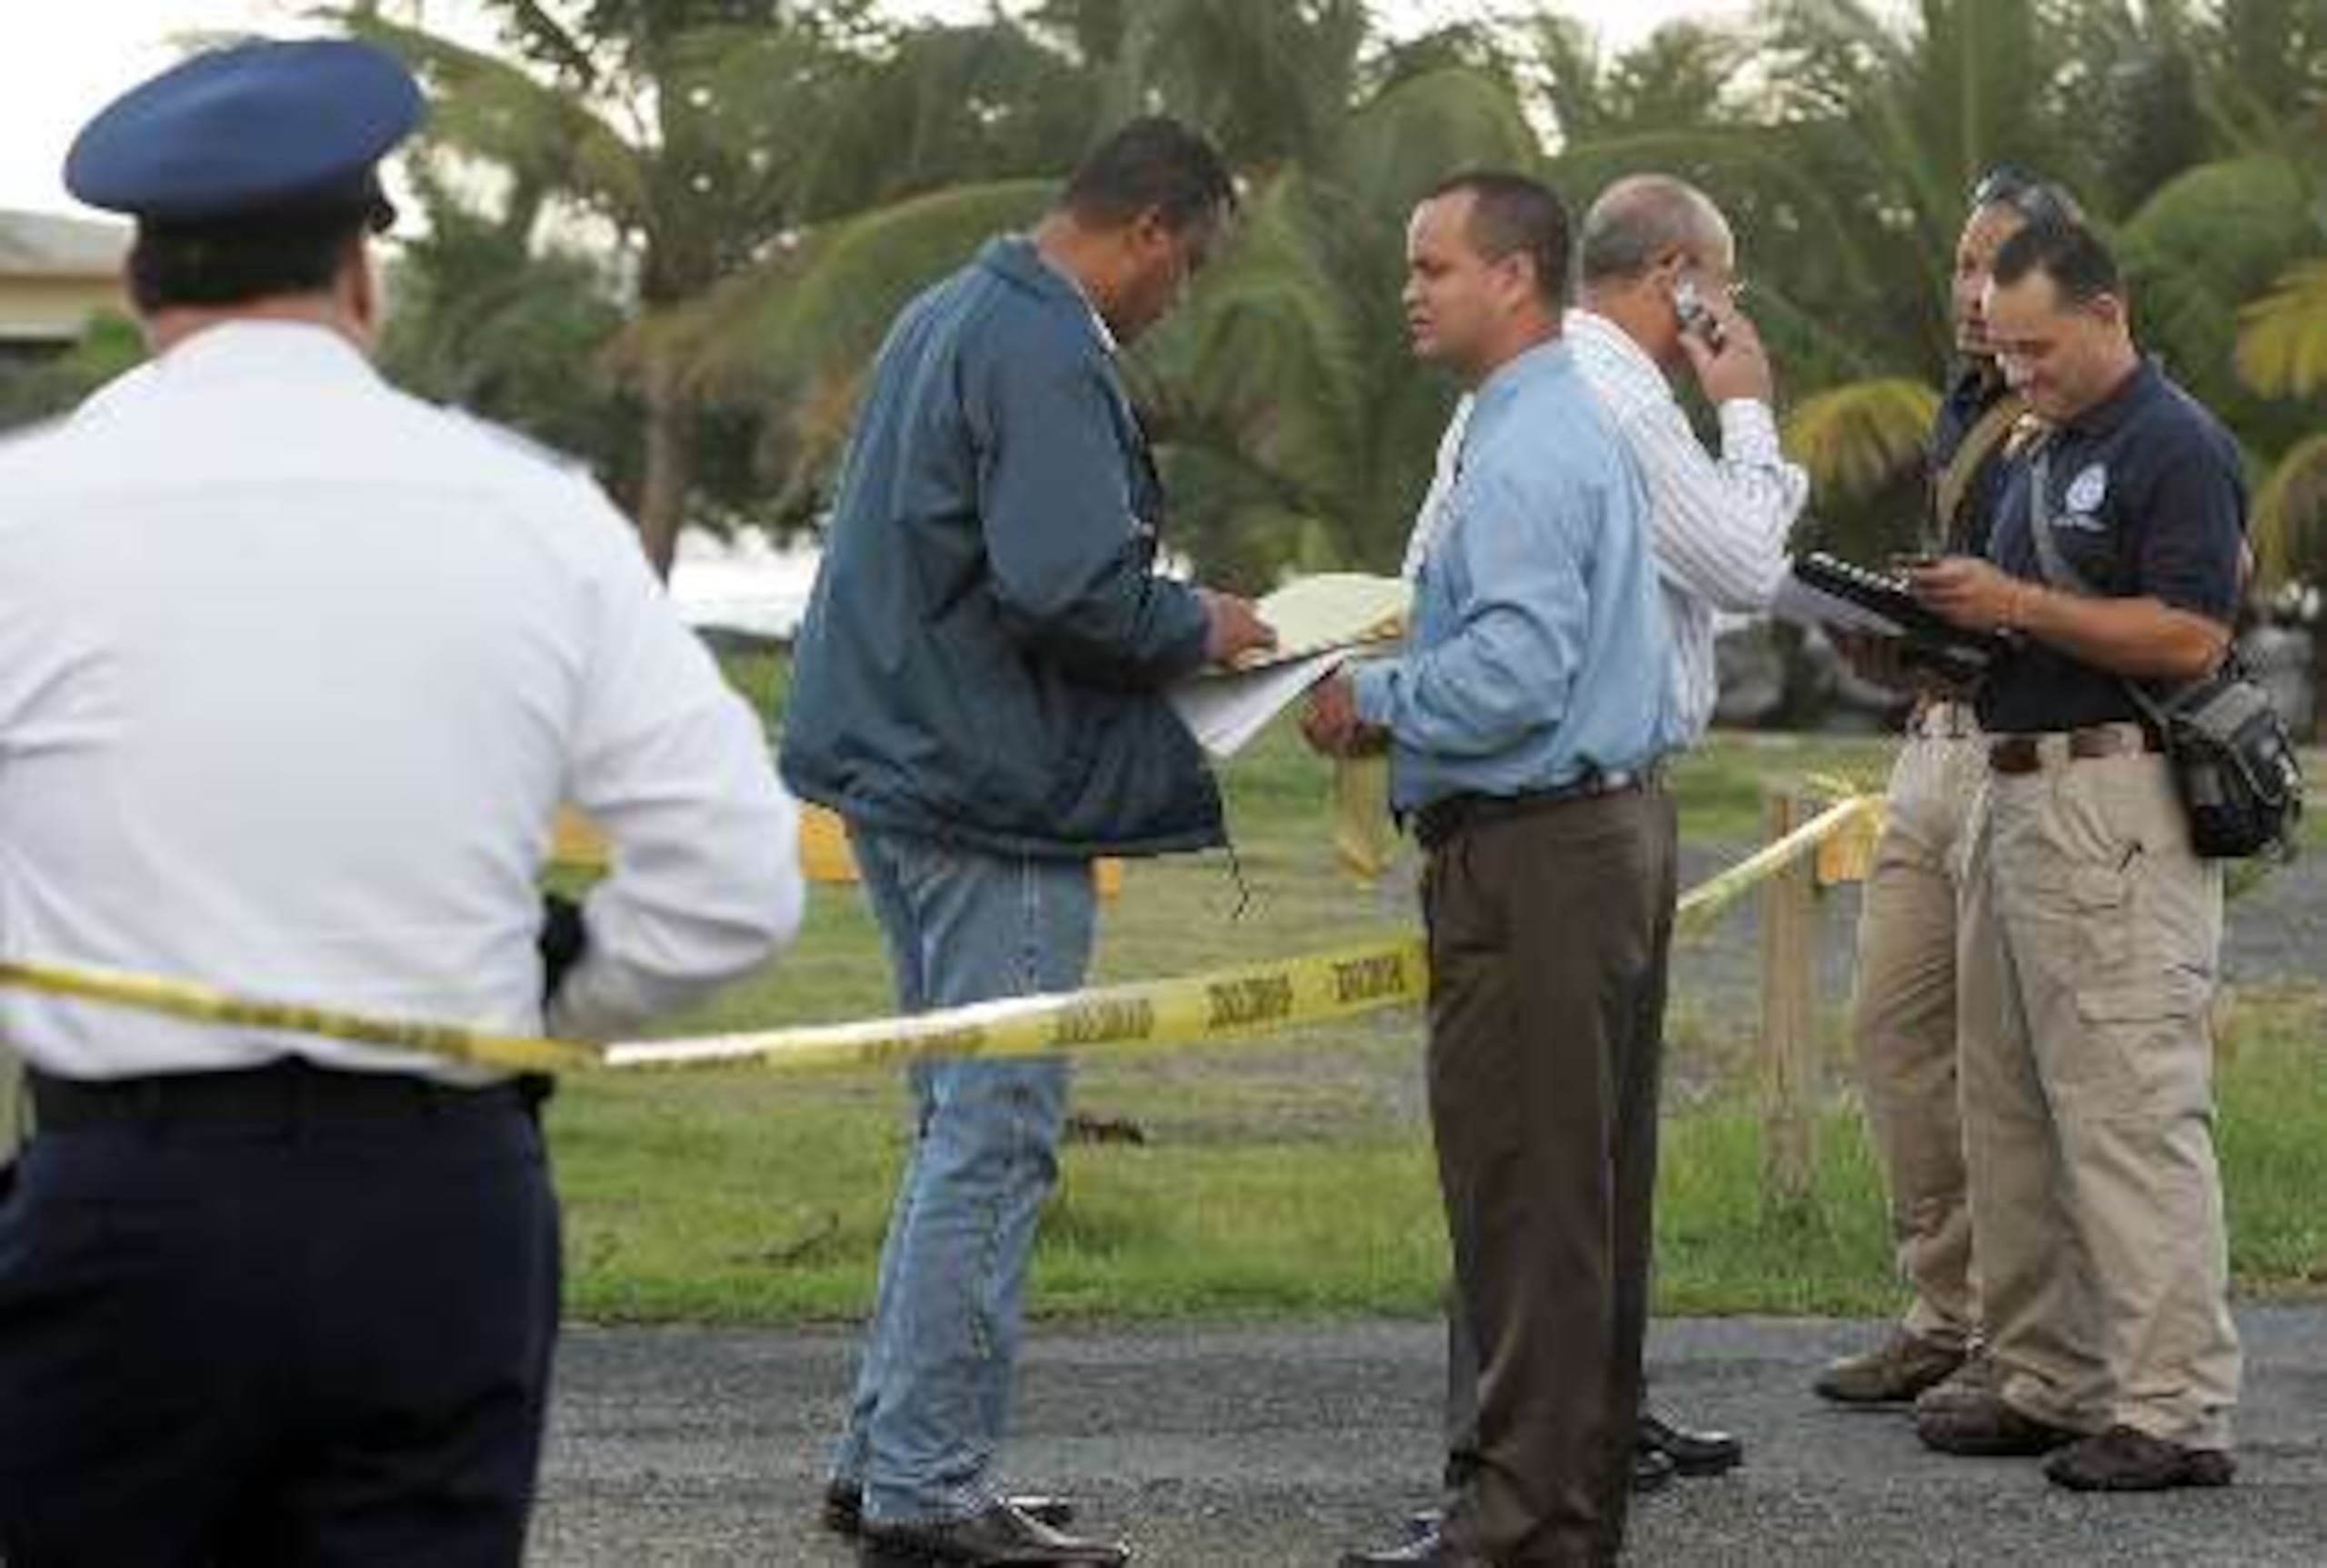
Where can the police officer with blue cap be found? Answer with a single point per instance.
(295, 671)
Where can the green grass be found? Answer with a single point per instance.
(1286, 1180)
(2272, 1138)
(1290, 1177)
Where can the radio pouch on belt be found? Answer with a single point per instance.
(2233, 760)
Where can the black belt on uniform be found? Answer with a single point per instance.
(1444, 818)
(287, 1091)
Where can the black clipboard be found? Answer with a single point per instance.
(1931, 640)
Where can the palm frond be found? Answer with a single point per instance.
(1268, 352)
(1417, 130)
(2289, 523)
(2200, 249)
(820, 307)
(1272, 83)
(2282, 336)
(544, 134)
(1857, 439)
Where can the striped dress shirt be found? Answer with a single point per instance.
(1718, 524)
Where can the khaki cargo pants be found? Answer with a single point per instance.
(1903, 1015)
(2090, 940)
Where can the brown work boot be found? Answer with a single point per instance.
(1983, 1425)
(1980, 1377)
(1893, 1373)
(2124, 1459)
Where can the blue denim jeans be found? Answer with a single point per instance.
(933, 1381)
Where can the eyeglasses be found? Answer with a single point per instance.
(2037, 200)
(1708, 275)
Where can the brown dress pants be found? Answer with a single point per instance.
(1548, 936)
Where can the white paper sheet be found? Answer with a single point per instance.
(1226, 711)
(1331, 610)
(1322, 623)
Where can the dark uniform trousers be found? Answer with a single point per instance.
(307, 1326)
(1548, 934)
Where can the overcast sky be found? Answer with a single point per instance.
(60, 64)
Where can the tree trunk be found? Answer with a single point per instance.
(670, 464)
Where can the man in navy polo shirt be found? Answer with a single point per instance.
(2092, 931)
(1903, 1014)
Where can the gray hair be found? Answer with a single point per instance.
(1637, 220)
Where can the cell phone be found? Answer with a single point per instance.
(1696, 318)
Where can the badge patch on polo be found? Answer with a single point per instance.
(2085, 494)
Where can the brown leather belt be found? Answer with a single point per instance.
(2025, 754)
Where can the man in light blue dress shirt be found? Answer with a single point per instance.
(1525, 721)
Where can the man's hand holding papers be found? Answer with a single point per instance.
(1319, 624)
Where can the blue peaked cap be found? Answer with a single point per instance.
(258, 128)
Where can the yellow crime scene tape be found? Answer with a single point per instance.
(206, 1004)
(1218, 1004)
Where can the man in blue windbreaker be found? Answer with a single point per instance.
(977, 689)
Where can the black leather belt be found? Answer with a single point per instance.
(1443, 819)
(286, 1091)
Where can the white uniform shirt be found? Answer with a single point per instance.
(1718, 524)
(294, 672)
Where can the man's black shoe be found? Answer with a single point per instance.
(1428, 1550)
(1691, 1452)
(999, 1536)
(844, 1508)
(1652, 1470)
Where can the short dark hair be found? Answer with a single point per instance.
(2070, 253)
(1153, 164)
(220, 261)
(1513, 215)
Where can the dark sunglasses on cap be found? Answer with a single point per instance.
(2037, 200)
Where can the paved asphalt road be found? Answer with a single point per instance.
(1260, 1447)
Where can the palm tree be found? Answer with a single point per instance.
(1292, 425)
(1299, 429)
(2120, 100)
(1863, 444)
(784, 176)
(662, 121)
(946, 135)
(2281, 354)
